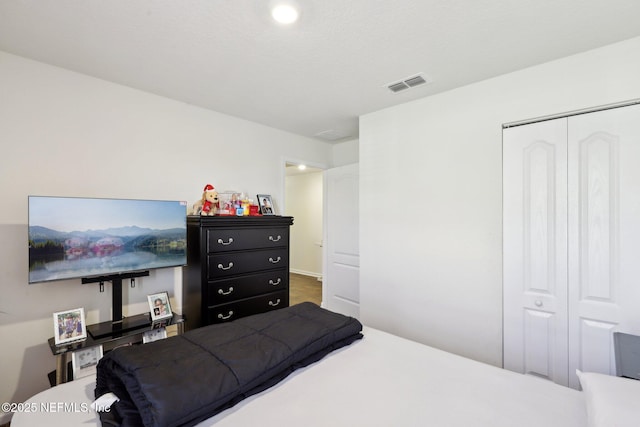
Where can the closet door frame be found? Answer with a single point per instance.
(601, 208)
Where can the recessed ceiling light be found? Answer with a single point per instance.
(284, 14)
(302, 167)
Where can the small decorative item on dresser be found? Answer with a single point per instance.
(254, 210)
(85, 361)
(208, 203)
(159, 306)
(266, 206)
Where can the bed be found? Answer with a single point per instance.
(381, 380)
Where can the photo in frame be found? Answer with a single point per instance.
(266, 205)
(85, 361)
(159, 306)
(69, 326)
(154, 335)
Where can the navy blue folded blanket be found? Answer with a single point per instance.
(185, 379)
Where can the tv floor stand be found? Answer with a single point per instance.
(127, 335)
(117, 322)
(115, 333)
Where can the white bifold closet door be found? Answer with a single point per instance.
(571, 242)
(535, 249)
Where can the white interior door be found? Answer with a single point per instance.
(341, 277)
(535, 248)
(604, 235)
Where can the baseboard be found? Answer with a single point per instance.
(318, 276)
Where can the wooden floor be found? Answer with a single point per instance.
(304, 288)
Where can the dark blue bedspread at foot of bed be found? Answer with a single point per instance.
(185, 379)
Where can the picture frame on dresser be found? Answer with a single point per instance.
(159, 306)
(266, 204)
(69, 326)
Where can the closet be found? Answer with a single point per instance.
(571, 231)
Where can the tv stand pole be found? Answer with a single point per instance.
(116, 294)
(116, 301)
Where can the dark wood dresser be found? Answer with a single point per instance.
(236, 266)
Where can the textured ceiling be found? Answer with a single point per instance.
(319, 74)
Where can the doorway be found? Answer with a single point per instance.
(304, 202)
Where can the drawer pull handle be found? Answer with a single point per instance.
(227, 243)
(275, 261)
(273, 304)
(276, 283)
(221, 292)
(275, 239)
(222, 267)
(223, 317)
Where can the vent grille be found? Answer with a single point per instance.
(408, 83)
(415, 81)
(397, 87)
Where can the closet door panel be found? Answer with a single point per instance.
(604, 235)
(535, 270)
(539, 332)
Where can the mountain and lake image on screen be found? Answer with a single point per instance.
(84, 237)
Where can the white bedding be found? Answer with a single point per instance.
(381, 380)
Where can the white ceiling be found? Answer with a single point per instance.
(319, 74)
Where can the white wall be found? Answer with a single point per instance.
(346, 152)
(66, 134)
(303, 195)
(430, 196)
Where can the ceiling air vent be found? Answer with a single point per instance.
(397, 87)
(331, 135)
(415, 81)
(408, 82)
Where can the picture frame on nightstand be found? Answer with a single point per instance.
(85, 361)
(154, 334)
(159, 306)
(69, 326)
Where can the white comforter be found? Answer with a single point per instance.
(381, 380)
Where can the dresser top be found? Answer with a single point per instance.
(239, 221)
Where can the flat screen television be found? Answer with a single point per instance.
(73, 237)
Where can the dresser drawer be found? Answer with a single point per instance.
(232, 289)
(247, 307)
(228, 239)
(233, 263)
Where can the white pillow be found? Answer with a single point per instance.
(611, 401)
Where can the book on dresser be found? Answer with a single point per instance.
(236, 267)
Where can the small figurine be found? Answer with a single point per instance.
(208, 205)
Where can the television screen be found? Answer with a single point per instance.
(84, 237)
